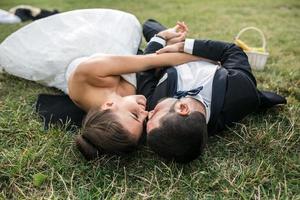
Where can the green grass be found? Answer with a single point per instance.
(257, 159)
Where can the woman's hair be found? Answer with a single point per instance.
(102, 133)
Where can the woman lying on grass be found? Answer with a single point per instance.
(51, 51)
(97, 84)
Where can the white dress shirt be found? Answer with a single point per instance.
(194, 74)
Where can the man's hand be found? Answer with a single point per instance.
(177, 47)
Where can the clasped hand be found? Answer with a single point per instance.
(174, 37)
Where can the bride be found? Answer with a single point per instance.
(104, 85)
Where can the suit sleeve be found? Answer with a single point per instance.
(147, 80)
(228, 54)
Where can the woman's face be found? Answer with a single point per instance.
(131, 113)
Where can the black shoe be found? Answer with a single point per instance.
(152, 27)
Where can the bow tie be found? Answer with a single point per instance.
(193, 92)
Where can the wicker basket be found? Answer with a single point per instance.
(256, 59)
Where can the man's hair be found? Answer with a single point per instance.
(102, 133)
(179, 138)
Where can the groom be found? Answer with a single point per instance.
(202, 97)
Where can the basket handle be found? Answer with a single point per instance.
(264, 42)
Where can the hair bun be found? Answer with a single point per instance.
(86, 148)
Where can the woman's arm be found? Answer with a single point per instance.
(111, 65)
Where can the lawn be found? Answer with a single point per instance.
(258, 158)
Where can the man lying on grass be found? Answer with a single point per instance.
(192, 101)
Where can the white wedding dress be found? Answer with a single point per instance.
(42, 50)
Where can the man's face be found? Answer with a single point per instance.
(160, 110)
(131, 113)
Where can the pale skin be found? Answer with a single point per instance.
(97, 79)
(96, 83)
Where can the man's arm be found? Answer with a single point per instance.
(228, 54)
(147, 80)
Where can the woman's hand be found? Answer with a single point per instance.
(181, 28)
(175, 34)
(175, 43)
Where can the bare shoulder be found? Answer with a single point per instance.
(87, 92)
(86, 96)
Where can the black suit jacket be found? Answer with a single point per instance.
(234, 92)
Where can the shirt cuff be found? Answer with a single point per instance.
(188, 46)
(158, 40)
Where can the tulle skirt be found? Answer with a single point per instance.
(42, 50)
